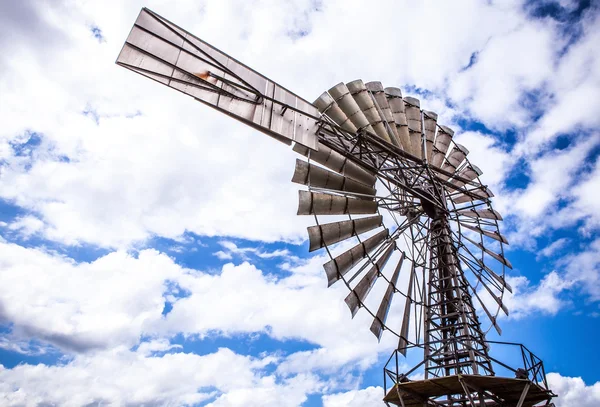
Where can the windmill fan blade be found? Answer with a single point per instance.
(496, 256)
(413, 117)
(478, 274)
(487, 312)
(335, 232)
(494, 235)
(338, 163)
(482, 194)
(454, 159)
(346, 102)
(308, 174)
(359, 92)
(384, 307)
(327, 105)
(326, 204)
(430, 124)
(481, 213)
(346, 261)
(494, 296)
(403, 341)
(362, 289)
(441, 144)
(469, 173)
(381, 102)
(495, 276)
(394, 97)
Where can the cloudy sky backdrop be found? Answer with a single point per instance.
(149, 248)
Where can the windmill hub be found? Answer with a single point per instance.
(429, 207)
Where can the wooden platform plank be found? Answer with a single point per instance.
(509, 389)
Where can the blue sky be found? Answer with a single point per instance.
(150, 252)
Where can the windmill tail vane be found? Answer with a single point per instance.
(401, 212)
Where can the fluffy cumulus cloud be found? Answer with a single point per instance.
(100, 310)
(117, 298)
(370, 396)
(108, 302)
(544, 297)
(573, 391)
(100, 162)
(123, 377)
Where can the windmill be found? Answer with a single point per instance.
(400, 210)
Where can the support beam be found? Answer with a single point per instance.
(467, 390)
(523, 395)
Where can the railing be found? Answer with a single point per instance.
(532, 367)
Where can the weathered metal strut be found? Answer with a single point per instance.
(450, 313)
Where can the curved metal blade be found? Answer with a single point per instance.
(326, 204)
(338, 163)
(481, 213)
(468, 173)
(403, 341)
(487, 312)
(343, 263)
(482, 193)
(468, 257)
(413, 117)
(498, 278)
(363, 99)
(327, 105)
(494, 235)
(441, 145)
(335, 232)
(346, 102)
(362, 289)
(430, 125)
(386, 302)
(381, 102)
(315, 176)
(496, 256)
(454, 159)
(394, 98)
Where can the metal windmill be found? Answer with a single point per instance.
(399, 209)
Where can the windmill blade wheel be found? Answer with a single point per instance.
(413, 237)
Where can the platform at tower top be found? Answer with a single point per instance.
(507, 391)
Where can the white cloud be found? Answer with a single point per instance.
(242, 299)
(119, 298)
(573, 392)
(27, 226)
(231, 250)
(551, 176)
(222, 255)
(586, 203)
(553, 247)
(508, 67)
(109, 302)
(527, 299)
(575, 89)
(552, 179)
(368, 397)
(122, 377)
(583, 268)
